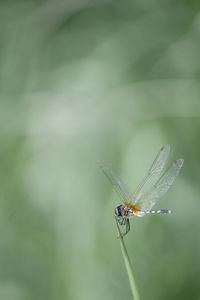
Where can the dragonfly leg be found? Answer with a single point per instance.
(127, 226)
(127, 223)
(120, 220)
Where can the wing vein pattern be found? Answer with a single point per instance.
(154, 173)
(148, 200)
(118, 185)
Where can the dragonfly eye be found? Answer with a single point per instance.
(118, 211)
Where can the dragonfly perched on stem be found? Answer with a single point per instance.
(151, 189)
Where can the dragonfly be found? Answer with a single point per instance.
(154, 185)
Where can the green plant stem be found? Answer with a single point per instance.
(128, 265)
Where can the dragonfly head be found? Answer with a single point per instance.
(118, 211)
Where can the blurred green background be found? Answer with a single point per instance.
(84, 83)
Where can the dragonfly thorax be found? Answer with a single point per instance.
(118, 211)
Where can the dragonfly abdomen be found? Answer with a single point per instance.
(154, 212)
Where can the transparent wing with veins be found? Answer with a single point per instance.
(148, 200)
(153, 186)
(119, 186)
(153, 174)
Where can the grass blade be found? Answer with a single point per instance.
(128, 266)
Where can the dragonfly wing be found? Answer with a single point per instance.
(119, 186)
(161, 187)
(153, 174)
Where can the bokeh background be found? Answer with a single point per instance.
(84, 83)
